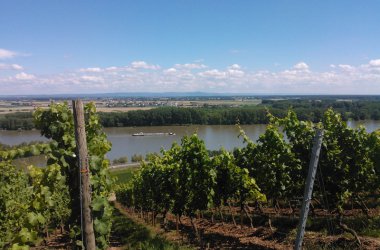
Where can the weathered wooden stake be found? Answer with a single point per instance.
(309, 188)
(80, 137)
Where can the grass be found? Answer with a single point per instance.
(365, 226)
(123, 175)
(131, 235)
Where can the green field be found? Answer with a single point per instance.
(132, 235)
(123, 175)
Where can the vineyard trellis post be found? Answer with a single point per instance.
(80, 138)
(309, 188)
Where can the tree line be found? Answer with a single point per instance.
(306, 110)
(17, 120)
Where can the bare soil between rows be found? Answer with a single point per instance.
(225, 235)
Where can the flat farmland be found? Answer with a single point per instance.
(121, 109)
(4, 110)
(7, 107)
(220, 102)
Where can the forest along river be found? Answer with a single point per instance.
(124, 144)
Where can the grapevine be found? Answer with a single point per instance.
(185, 180)
(50, 195)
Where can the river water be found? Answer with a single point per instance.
(124, 144)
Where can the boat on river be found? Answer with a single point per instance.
(152, 134)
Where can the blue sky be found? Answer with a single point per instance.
(328, 47)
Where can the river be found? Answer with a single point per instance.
(124, 144)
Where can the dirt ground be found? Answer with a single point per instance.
(225, 235)
(220, 235)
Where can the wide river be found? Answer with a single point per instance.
(124, 144)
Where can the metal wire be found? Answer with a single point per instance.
(330, 224)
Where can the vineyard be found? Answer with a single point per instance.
(264, 181)
(35, 202)
(257, 186)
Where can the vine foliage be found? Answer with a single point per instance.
(33, 202)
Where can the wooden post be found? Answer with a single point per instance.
(309, 188)
(80, 138)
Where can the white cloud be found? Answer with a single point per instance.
(144, 65)
(96, 69)
(170, 71)
(214, 73)
(10, 67)
(112, 68)
(232, 71)
(346, 67)
(6, 54)
(375, 63)
(301, 66)
(190, 66)
(340, 78)
(92, 78)
(24, 76)
(235, 71)
(234, 66)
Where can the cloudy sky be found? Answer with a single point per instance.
(258, 47)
